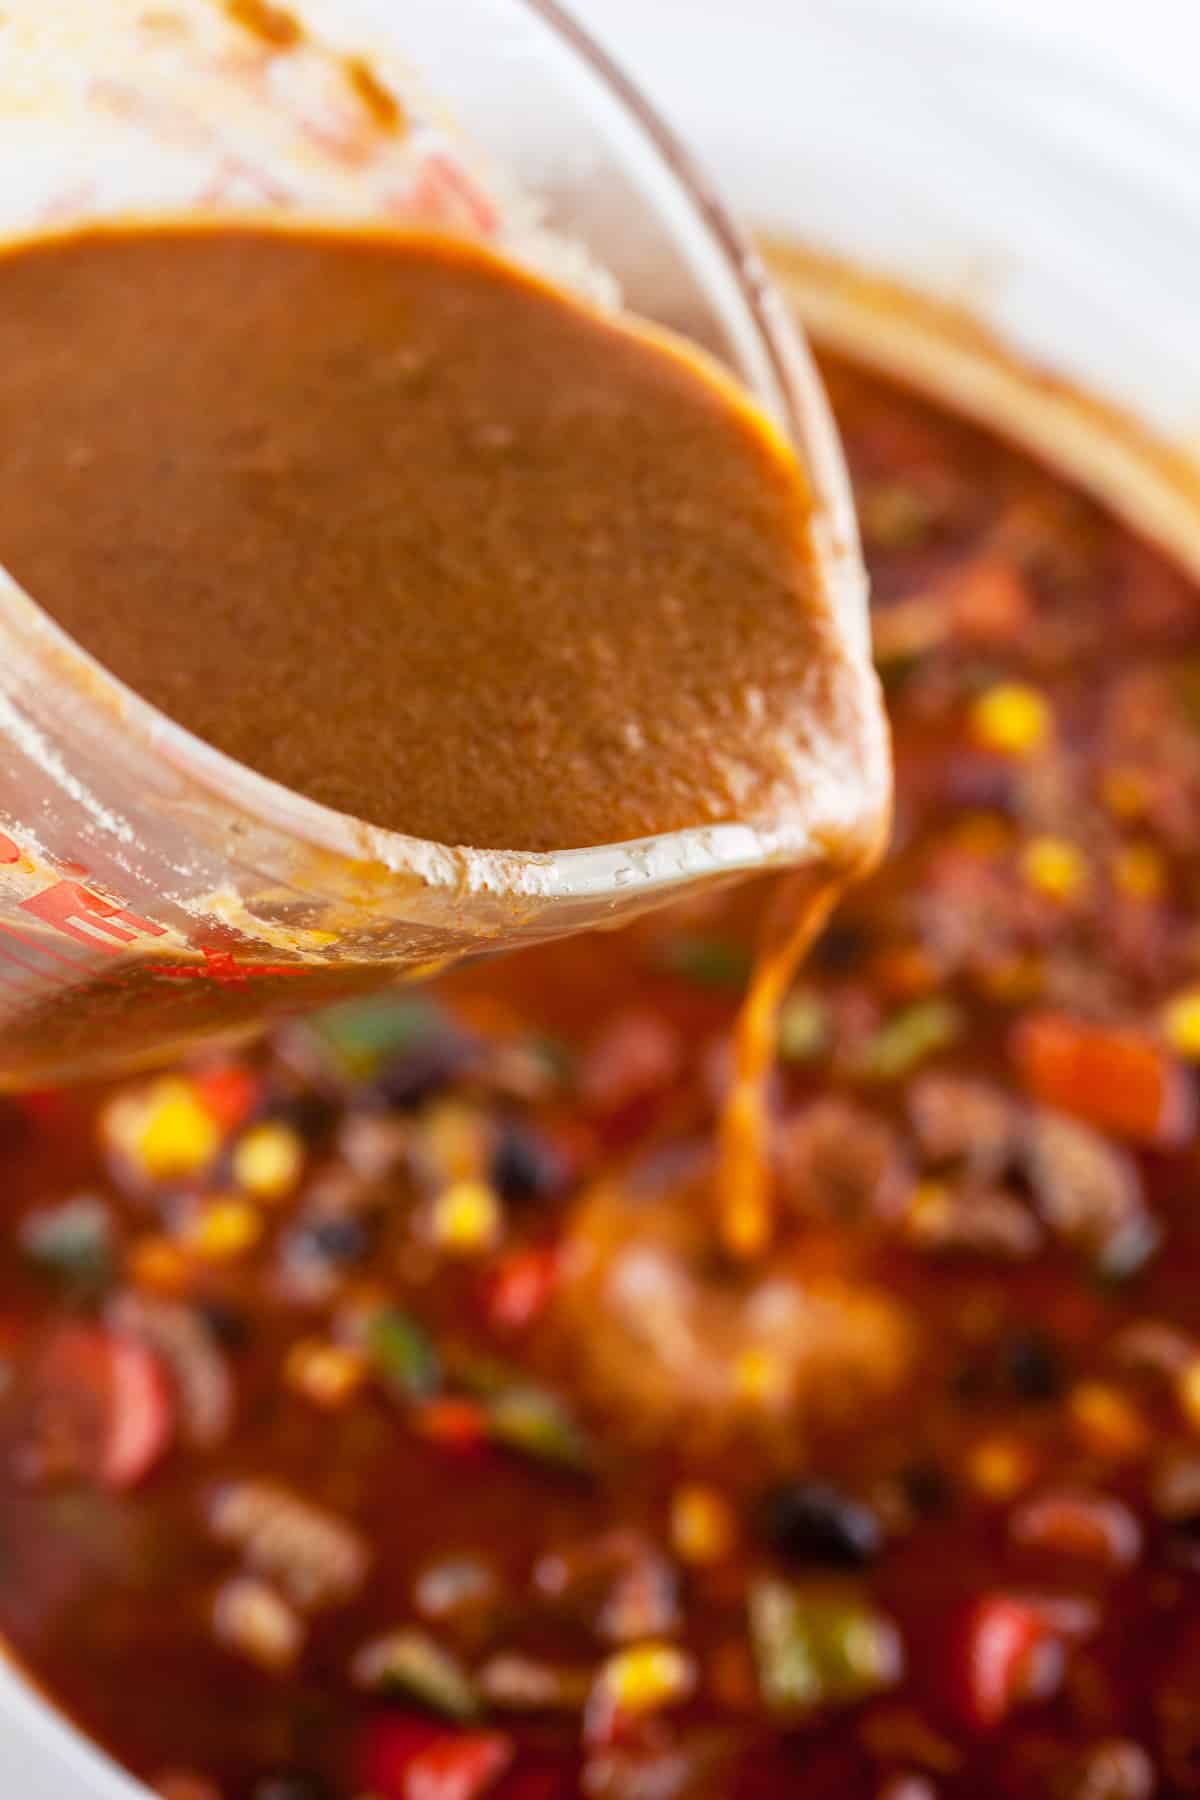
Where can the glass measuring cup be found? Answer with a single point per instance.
(152, 891)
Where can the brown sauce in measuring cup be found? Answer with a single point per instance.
(415, 534)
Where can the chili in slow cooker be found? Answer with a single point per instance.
(381, 1418)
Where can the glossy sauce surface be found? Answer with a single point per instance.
(391, 1336)
(419, 536)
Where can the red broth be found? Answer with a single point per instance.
(373, 1425)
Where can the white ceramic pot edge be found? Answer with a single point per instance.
(44, 1757)
(1038, 164)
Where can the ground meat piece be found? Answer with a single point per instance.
(315, 1559)
(958, 1217)
(621, 1585)
(840, 1163)
(1088, 1191)
(957, 1120)
(188, 1347)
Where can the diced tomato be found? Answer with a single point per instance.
(391, 1746)
(1117, 1078)
(458, 1768)
(990, 601)
(520, 1287)
(47, 1109)
(636, 1055)
(408, 1759)
(141, 1415)
(229, 1092)
(1001, 1636)
(1095, 1527)
(107, 1401)
(459, 1425)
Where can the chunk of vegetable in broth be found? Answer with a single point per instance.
(819, 1648)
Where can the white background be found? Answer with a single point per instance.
(676, 47)
(691, 56)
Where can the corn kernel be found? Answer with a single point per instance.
(158, 1266)
(1124, 793)
(1188, 1393)
(1056, 868)
(1000, 1467)
(703, 1529)
(1180, 1020)
(224, 1230)
(1011, 719)
(268, 1161)
(456, 1141)
(1106, 1422)
(758, 1377)
(165, 1129)
(327, 1374)
(647, 1678)
(1139, 872)
(928, 1211)
(467, 1218)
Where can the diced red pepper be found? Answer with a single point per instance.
(229, 1092)
(390, 1747)
(459, 1425)
(109, 1398)
(142, 1414)
(1001, 1636)
(407, 1759)
(458, 1768)
(1119, 1079)
(520, 1287)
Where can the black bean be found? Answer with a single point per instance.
(1032, 1366)
(971, 1382)
(926, 1488)
(810, 1522)
(526, 1167)
(228, 1325)
(424, 1071)
(840, 948)
(341, 1238)
(311, 1115)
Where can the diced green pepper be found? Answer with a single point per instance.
(404, 1355)
(553, 1054)
(411, 1664)
(803, 1029)
(707, 961)
(818, 1649)
(537, 1424)
(909, 1039)
(72, 1242)
(360, 1036)
(895, 516)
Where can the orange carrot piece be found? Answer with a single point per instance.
(1117, 1078)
